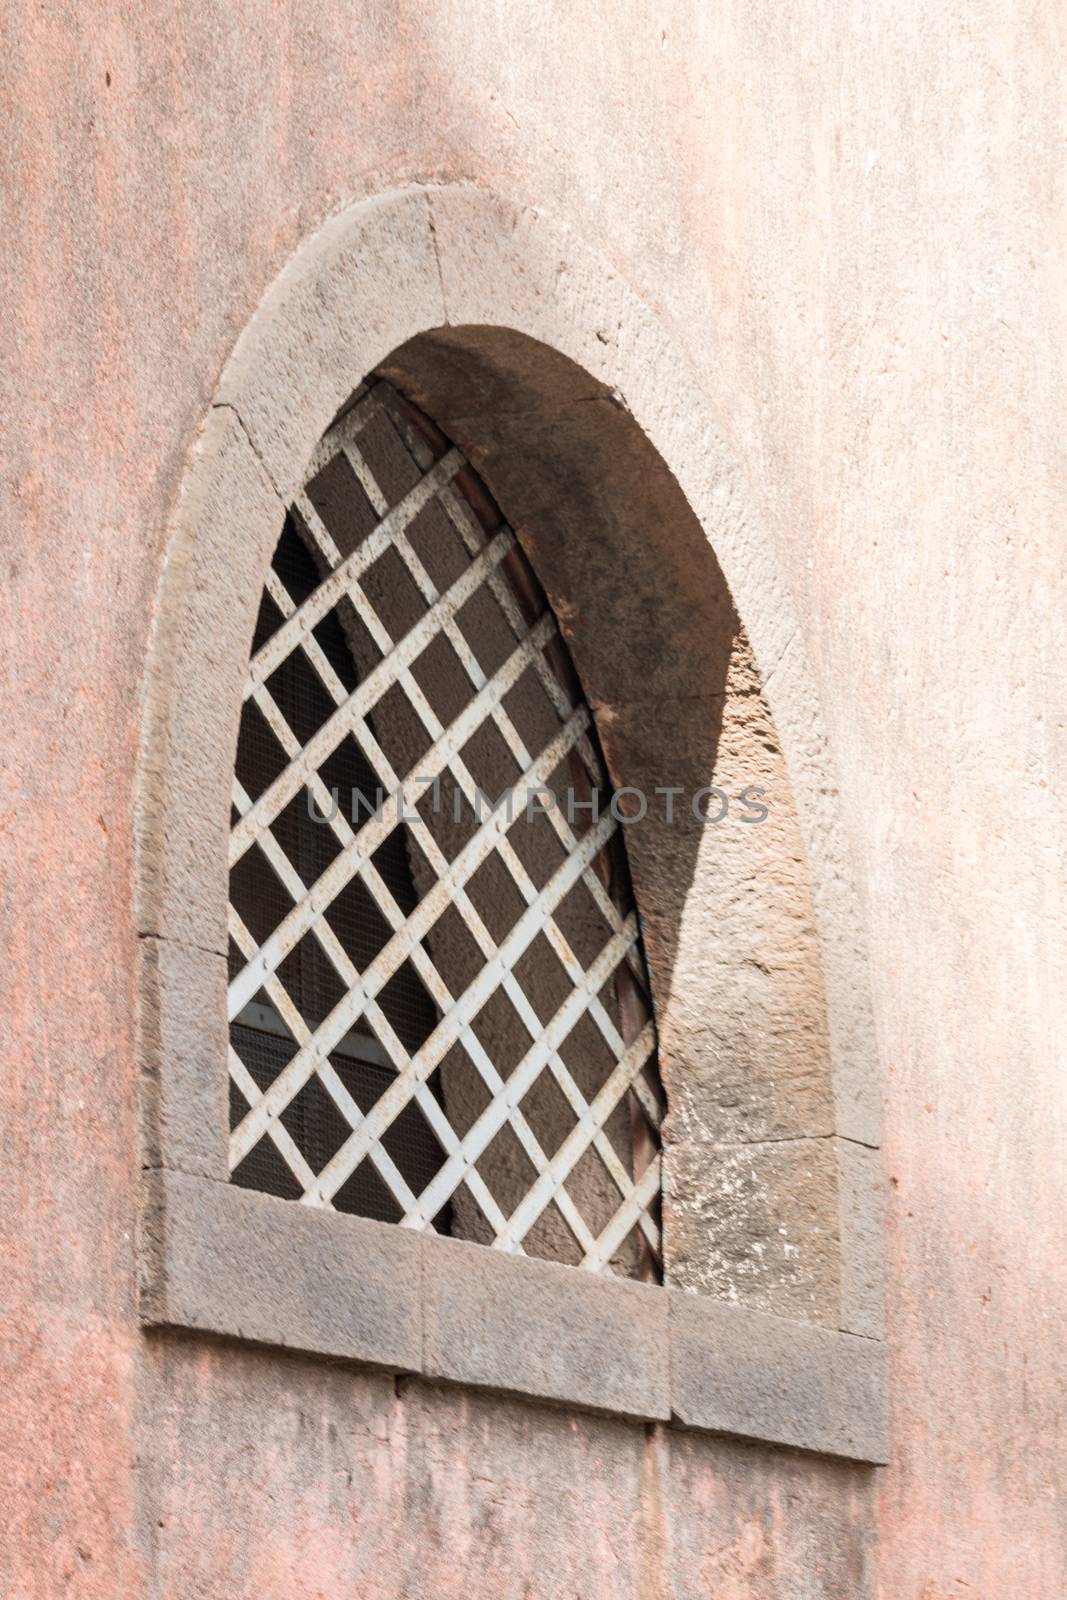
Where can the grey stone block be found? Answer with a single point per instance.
(862, 1203)
(224, 1260)
(540, 1329)
(229, 519)
(757, 1223)
(363, 284)
(182, 1037)
(793, 700)
(743, 1372)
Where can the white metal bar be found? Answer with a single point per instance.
(506, 851)
(394, 808)
(366, 404)
(335, 587)
(473, 540)
(482, 1132)
(577, 1142)
(323, 1189)
(358, 1046)
(363, 698)
(349, 975)
(624, 1219)
(461, 901)
(347, 1107)
(451, 1027)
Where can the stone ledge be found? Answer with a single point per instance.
(227, 1260)
(544, 1330)
(762, 1377)
(220, 1259)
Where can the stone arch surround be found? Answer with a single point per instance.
(529, 351)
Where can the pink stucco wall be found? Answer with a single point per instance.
(851, 218)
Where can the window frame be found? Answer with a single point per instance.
(218, 1259)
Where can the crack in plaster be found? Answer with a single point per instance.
(228, 405)
(437, 256)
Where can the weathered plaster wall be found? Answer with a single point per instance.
(852, 221)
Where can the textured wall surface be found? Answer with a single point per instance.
(851, 219)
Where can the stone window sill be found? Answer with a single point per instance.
(224, 1260)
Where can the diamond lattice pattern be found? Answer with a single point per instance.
(438, 1007)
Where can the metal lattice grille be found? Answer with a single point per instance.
(438, 1005)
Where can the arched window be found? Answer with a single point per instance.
(435, 1010)
(439, 1012)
